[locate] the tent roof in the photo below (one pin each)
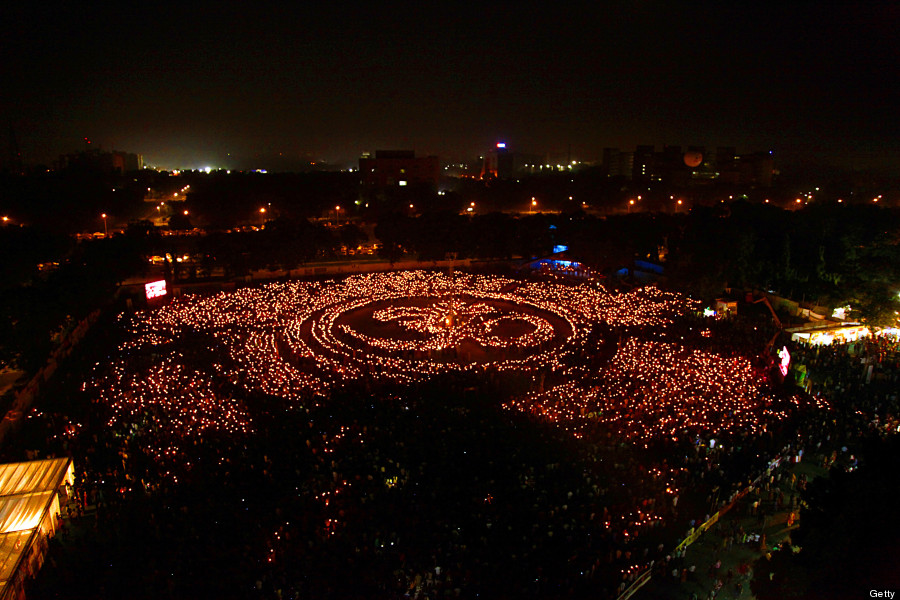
(12, 546)
(33, 476)
(27, 491)
(23, 511)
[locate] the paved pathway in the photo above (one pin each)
(712, 547)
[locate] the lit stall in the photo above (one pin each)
(824, 336)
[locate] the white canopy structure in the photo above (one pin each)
(817, 334)
(29, 514)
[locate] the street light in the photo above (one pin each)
(533, 203)
(105, 230)
(337, 215)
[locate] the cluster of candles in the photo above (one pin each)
(652, 390)
(300, 340)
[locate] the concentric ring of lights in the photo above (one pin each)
(427, 315)
(437, 327)
(300, 340)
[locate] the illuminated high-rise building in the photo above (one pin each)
(502, 163)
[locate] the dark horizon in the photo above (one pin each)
(190, 88)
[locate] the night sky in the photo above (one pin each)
(233, 84)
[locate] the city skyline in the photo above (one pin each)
(188, 88)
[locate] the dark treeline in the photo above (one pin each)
(72, 200)
(49, 282)
(829, 254)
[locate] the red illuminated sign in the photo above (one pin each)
(785, 360)
(155, 289)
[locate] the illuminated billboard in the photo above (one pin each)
(155, 289)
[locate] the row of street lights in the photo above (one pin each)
(337, 212)
(471, 208)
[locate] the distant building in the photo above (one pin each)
(644, 165)
(102, 161)
(617, 163)
(501, 163)
(755, 169)
(691, 167)
(398, 168)
(726, 307)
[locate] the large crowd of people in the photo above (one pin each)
(220, 450)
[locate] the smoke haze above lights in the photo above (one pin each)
(235, 86)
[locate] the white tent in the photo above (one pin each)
(29, 513)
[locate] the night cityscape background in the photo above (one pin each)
(227, 87)
(429, 302)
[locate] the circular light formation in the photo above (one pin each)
(434, 333)
(590, 357)
(411, 325)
